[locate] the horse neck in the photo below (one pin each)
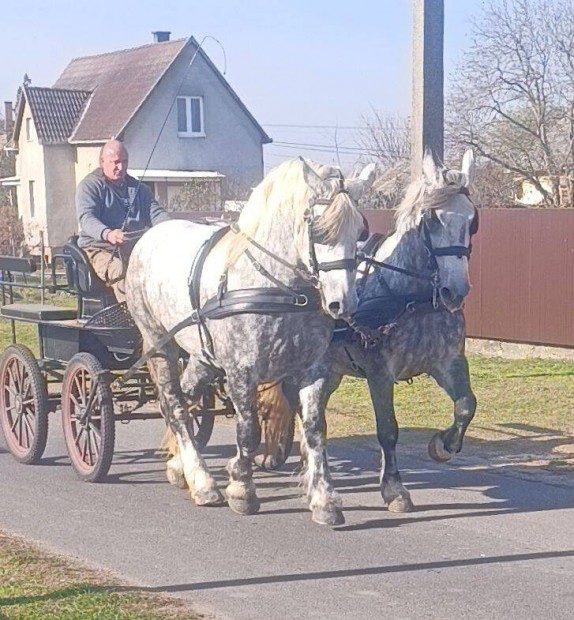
(406, 251)
(278, 240)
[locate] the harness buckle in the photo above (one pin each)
(194, 317)
(301, 300)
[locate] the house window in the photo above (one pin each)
(31, 193)
(190, 117)
(29, 129)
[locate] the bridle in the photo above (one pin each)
(314, 237)
(452, 250)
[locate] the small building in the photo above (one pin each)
(188, 134)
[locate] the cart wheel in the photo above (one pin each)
(24, 405)
(200, 425)
(89, 437)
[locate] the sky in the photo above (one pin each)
(305, 69)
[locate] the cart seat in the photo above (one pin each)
(82, 278)
(37, 312)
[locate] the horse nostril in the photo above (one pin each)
(335, 308)
(445, 292)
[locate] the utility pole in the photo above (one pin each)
(427, 115)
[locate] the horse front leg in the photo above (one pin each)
(324, 502)
(241, 492)
(455, 380)
(187, 467)
(394, 494)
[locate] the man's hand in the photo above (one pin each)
(115, 237)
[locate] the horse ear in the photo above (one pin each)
(357, 186)
(312, 178)
(430, 170)
(468, 167)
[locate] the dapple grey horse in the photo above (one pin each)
(409, 318)
(296, 238)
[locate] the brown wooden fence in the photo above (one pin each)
(522, 271)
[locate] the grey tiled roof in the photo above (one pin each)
(120, 82)
(55, 112)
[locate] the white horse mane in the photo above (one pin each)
(284, 195)
(424, 194)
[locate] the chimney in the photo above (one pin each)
(8, 117)
(159, 36)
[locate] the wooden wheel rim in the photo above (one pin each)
(18, 404)
(85, 431)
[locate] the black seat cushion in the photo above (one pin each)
(82, 278)
(37, 312)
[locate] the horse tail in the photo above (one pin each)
(168, 446)
(276, 417)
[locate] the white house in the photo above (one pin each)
(154, 93)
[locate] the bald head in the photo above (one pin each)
(114, 161)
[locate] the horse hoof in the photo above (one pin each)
(208, 497)
(176, 478)
(437, 451)
(266, 462)
(247, 506)
(401, 504)
(328, 515)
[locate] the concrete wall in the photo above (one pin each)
(87, 158)
(30, 167)
(231, 146)
(60, 193)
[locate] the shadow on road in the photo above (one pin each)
(361, 572)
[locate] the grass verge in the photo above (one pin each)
(38, 585)
(524, 407)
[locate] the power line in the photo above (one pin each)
(312, 126)
(282, 143)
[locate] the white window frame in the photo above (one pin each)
(189, 133)
(29, 129)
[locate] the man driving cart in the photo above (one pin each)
(111, 206)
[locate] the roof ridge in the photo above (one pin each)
(64, 90)
(127, 49)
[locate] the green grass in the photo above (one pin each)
(37, 585)
(533, 393)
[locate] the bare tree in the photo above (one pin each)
(513, 94)
(386, 138)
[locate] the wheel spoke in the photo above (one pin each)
(79, 390)
(11, 390)
(26, 432)
(78, 436)
(20, 428)
(16, 420)
(84, 448)
(89, 441)
(28, 423)
(77, 405)
(12, 379)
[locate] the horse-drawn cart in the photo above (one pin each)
(82, 352)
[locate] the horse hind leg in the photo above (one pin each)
(455, 380)
(394, 494)
(186, 467)
(241, 492)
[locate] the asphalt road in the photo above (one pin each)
(479, 545)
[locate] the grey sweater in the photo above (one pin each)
(102, 206)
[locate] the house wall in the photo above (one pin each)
(60, 193)
(87, 158)
(232, 144)
(30, 167)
